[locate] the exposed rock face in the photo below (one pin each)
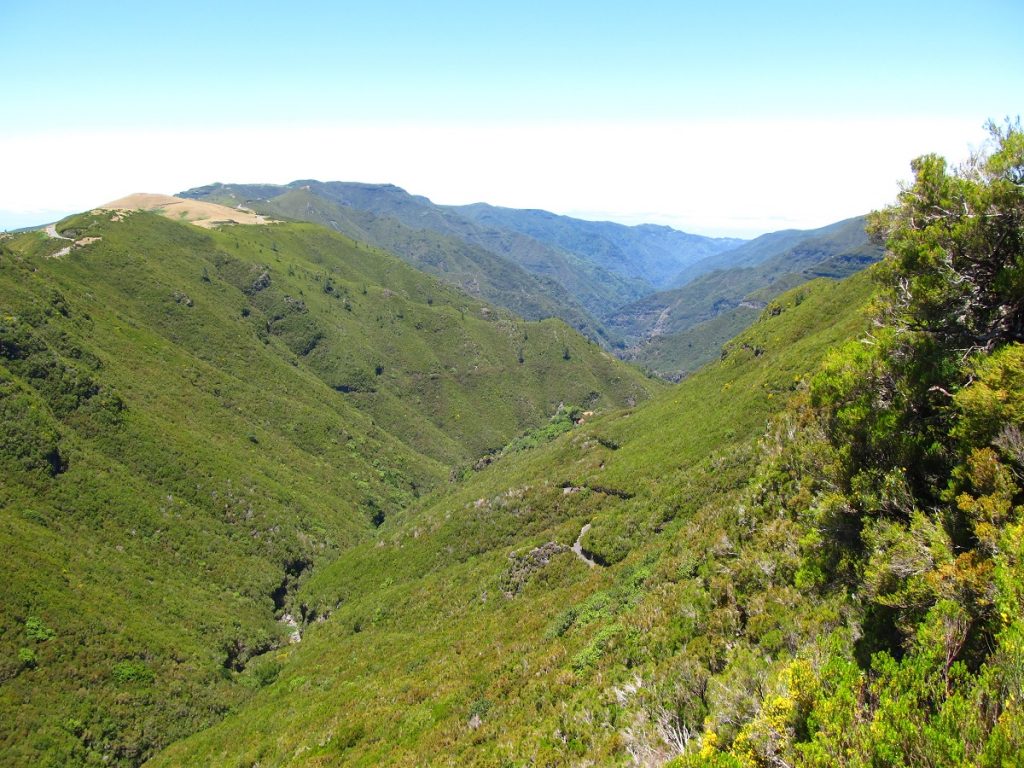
(524, 566)
(296, 634)
(261, 282)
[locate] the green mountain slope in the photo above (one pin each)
(469, 632)
(616, 284)
(438, 251)
(193, 422)
(571, 264)
(245, 520)
(586, 280)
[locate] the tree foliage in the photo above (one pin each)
(956, 245)
(925, 418)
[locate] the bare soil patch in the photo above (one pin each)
(196, 212)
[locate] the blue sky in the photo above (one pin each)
(724, 118)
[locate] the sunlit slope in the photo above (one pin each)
(192, 422)
(466, 265)
(198, 212)
(469, 633)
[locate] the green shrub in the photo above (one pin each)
(264, 672)
(133, 671)
(36, 630)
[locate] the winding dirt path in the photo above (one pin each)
(578, 547)
(51, 232)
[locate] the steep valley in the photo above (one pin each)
(272, 496)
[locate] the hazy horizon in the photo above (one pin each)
(730, 121)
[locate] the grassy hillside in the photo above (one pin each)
(195, 421)
(600, 277)
(468, 632)
(272, 497)
(512, 271)
(529, 261)
(585, 279)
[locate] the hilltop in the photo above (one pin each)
(197, 212)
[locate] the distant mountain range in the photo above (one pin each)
(722, 294)
(650, 253)
(638, 290)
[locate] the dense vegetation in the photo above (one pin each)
(533, 262)
(470, 633)
(839, 587)
(191, 421)
(438, 251)
(505, 268)
(808, 553)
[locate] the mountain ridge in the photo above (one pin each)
(722, 294)
(603, 241)
(597, 283)
(467, 265)
(601, 277)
